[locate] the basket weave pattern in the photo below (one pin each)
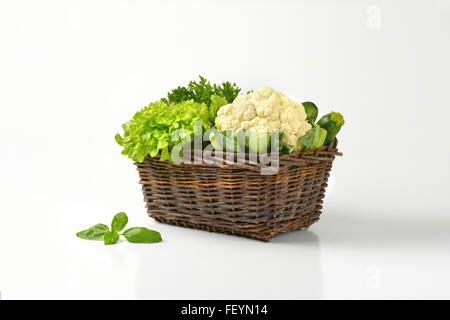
(232, 199)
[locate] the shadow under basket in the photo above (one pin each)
(235, 198)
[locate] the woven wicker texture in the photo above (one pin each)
(236, 198)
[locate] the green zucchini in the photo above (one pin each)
(332, 122)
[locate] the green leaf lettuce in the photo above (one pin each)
(150, 130)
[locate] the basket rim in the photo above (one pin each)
(323, 155)
(320, 155)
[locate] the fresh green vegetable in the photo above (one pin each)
(202, 91)
(142, 235)
(216, 139)
(227, 140)
(119, 222)
(259, 142)
(150, 130)
(314, 138)
(111, 237)
(247, 140)
(267, 141)
(332, 122)
(277, 144)
(216, 103)
(165, 154)
(237, 141)
(311, 111)
(93, 233)
(286, 148)
(134, 235)
(227, 90)
(240, 139)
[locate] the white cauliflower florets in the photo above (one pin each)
(265, 110)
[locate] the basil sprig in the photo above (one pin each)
(135, 235)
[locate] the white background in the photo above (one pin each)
(71, 72)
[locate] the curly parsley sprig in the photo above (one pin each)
(202, 91)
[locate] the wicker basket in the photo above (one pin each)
(235, 198)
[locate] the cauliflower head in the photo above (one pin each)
(265, 110)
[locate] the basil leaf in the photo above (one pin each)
(142, 235)
(111, 238)
(119, 222)
(93, 233)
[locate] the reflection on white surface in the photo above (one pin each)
(241, 268)
(345, 255)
